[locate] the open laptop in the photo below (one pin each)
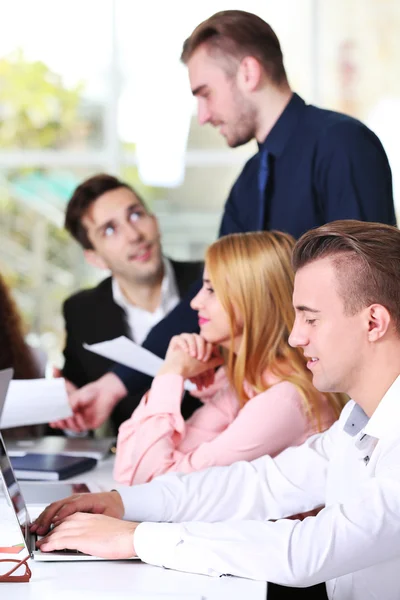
(41, 493)
(5, 378)
(15, 500)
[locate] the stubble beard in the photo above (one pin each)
(151, 277)
(133, 276)
(244, 128)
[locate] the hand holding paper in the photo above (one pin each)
(93, 403)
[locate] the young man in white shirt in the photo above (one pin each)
(232, 520)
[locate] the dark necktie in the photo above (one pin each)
(263, 173)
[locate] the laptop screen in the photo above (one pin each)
(5, 378)
(13, 492)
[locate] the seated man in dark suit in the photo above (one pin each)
(118, 233)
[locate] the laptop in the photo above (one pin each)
(5, 378)
(15, 500)
(41, 493)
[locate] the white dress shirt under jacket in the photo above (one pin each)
(220, 520)
(141, 321)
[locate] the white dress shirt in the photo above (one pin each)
(220, 520)
(141, 321)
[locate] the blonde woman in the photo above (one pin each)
(261, 400)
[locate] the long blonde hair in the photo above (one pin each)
(252, 276)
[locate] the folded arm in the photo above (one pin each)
(293, 482)
(156, 439)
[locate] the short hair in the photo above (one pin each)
(83, 197)
(366, 258)
(236, 34)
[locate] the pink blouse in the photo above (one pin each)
(156, 439)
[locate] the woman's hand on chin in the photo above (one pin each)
(191, 356)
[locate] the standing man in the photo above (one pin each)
(313, 165)
(118, 234)
(233, 520)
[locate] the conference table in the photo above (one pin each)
(123, 580)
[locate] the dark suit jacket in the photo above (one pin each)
(92, 316)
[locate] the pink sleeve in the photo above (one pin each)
(147, 441)
(267, 424)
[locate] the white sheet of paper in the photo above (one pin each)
(34, 401)
(124, 351)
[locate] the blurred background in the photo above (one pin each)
(90, 86)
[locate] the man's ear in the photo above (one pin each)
(379, 321)
(249, 74)
(94, 260)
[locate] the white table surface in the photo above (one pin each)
(126, 579)
(121, 580)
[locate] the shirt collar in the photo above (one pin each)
(356, 421)
(385, 419)
(168, 289)
(281, 132)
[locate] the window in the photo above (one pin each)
(96, 86)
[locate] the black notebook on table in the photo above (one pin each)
(50, 467)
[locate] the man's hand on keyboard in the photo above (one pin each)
(97, 535)
(103, 503)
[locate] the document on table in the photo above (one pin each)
(122, 350)
(34, 401)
